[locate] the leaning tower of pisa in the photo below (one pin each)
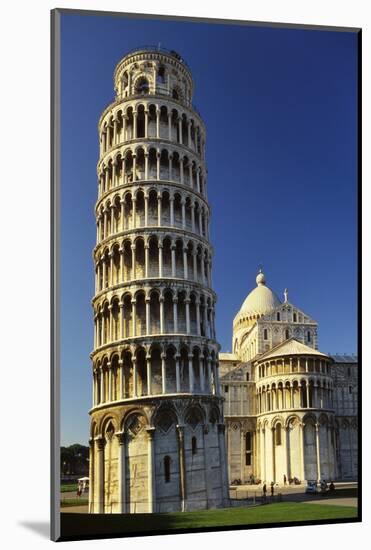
(157, 427)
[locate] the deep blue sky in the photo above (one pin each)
(280, 112)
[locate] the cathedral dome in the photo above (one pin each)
(261, 300)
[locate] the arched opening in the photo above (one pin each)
(140, 314)
(194, 445)
(141, 365)
(142, 86)
(153, 268)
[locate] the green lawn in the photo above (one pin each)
(74, 502)
(67, 487)
(95, 524)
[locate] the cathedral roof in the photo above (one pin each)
(290, 347)
(261, 300)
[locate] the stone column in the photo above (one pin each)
(162, 323)
(217, 380)
(148, 316)
(121, 470)
(163, 372)
(135, 115)
(180, 131)
(132, 261)
(182, 468)
(177, 372)
(209, 384)
(134, 213)
(135, 391)
(134, 168)
(185, 263)
(121, 304)
(124, 119)
(175, 314)
(91, 476)
(181, 171)
(198, 330)
(191, 376)
(109, 381)
(102, 388)
(318, 453)
(302, 448)
(182, 202)
(160, 259)
(146, 155)
(157, 123)
(113, 178)
(158, 173)
(159, 204)
(149, 374)
(134, 316)
(188, 324)
(202, 268)
(110, 324)
(146, 124)
(120, 374)
(101, 442)
(204, 314)
(146, 260)
(171, 211)
(198, 180)
(173, 261)
(202, 373)
(169, 125)
(194, 255)
(151, 472)
(193, 217)
(170, 167)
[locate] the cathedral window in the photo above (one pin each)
(278, 316)
(226, 389)
(265, 334)
(350, 389)
(247, 376)
(194, 445)
(308, 336)
(287, 334)
(295, 318)
(248, 448)
(175, 94)
(167, 468)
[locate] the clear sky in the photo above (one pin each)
(280, 112)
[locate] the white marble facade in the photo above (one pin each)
(290, 410)
(157, 439)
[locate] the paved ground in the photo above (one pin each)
(295, 493)
(247, 491)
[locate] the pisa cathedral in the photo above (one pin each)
(159, 439)
(290, 410)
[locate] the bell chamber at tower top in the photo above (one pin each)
(153, 71)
